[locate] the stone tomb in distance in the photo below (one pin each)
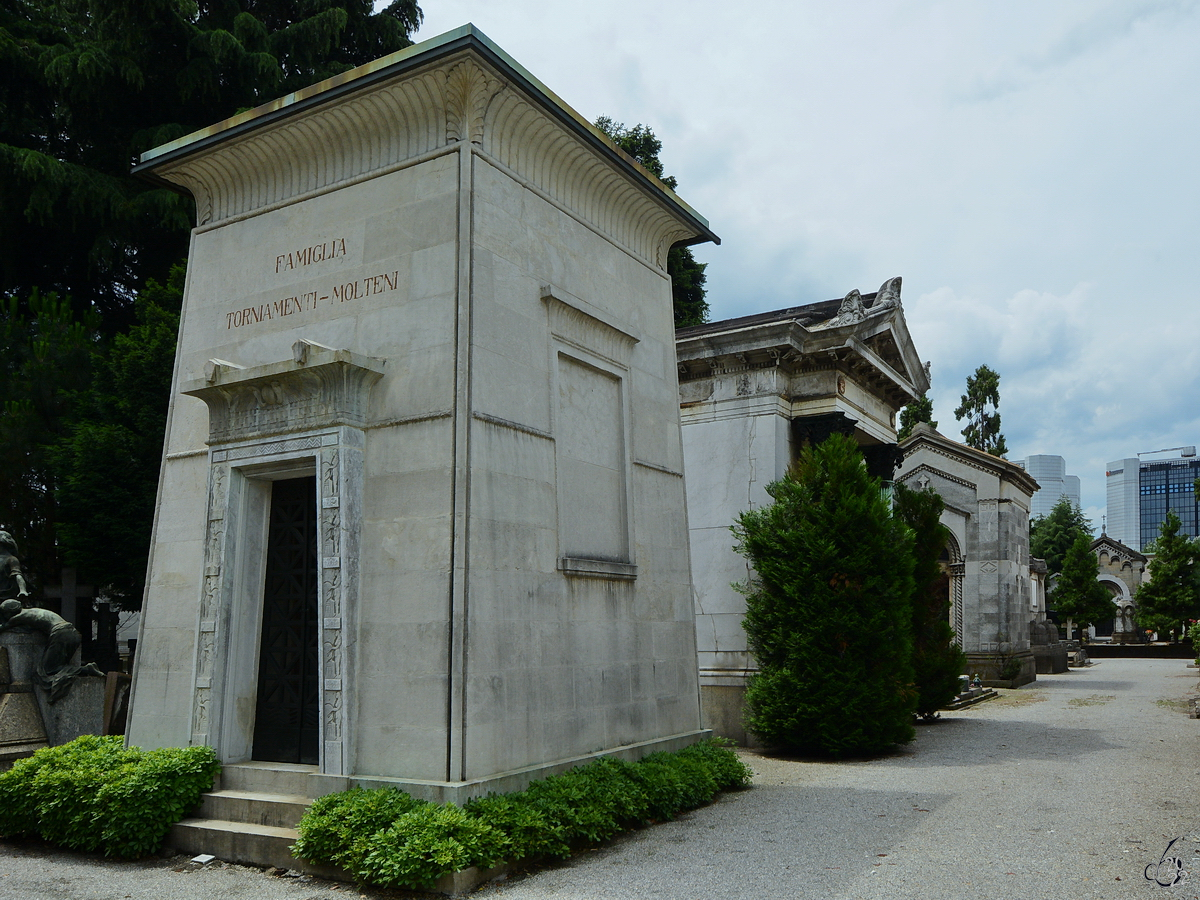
(421, 518)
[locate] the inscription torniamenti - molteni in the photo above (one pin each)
(310, 300)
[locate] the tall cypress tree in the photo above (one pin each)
(828, 613)
(937, 660)
(1173, 592)
(1078, 596)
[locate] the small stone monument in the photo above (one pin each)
(21, 728)
(422, 512)
(42, 650)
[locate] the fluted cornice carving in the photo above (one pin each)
(390, 123)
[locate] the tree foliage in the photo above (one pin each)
(920, 410)
(937, 659)
(90, 84)
(110, 457)
(687, 275)
(1078, 595)
(45, 360)
(828, 613)
(1173, 592)
(980, 408)
(86, 87)
(1051, 536)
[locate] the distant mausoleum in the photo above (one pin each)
(1122, 571)
(753, 392)
(991, 585)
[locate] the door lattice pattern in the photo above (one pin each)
(287, 717)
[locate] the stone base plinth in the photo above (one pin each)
(990, 667)
(1051, 659)
(81, 711)
(722, 706)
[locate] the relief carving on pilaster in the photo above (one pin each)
(333, 656)
(332, 584)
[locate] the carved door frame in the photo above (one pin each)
(306, 416)
(228, 630)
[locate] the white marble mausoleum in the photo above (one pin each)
(421, 515)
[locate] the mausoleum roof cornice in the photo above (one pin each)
(924, 435)
(876, 347)
(468, 41)
(1114, 545)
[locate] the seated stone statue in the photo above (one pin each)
(54, 672)
(12, 581)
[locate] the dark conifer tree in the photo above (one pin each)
(1078, 596)
(112, 446)
(828, 613)
(937, 659)
(87, 85)
(1173, 593)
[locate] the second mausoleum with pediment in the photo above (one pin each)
(753, 391)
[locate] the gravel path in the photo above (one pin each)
(1066, 788)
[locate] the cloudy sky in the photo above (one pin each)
(1030, 169)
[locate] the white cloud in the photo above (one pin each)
(1027, 167)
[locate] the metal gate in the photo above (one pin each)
(287, 716)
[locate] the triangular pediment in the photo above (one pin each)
(884, 345)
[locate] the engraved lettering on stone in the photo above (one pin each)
(366, 287)
(307, 256)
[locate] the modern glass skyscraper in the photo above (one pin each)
(1050, 472)
(1140, 491)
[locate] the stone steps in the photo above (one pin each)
(250, 817)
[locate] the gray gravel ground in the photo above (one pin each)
(1066, 788)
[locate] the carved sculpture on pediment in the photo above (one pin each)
(888, 296)
(850, 312)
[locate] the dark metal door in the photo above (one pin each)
(287, 717)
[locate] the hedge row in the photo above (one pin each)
(95, 794)
(386, 837)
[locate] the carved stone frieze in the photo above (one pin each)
(331, 388)
(386, 123)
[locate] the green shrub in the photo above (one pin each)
(725, 766)
(426, 843)
(530, 832)
(335, 828)
(386, 837)
(94, 794)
